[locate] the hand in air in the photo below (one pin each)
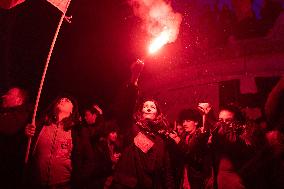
(136, 69)
(173, 135)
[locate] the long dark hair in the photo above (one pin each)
(51, 113)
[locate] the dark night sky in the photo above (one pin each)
(92, 55)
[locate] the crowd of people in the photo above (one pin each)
(139, 148)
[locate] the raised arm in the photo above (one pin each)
(127, 97)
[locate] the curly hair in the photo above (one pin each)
(159, 123)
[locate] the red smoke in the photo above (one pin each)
(159, 20)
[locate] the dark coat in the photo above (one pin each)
(12, 145)
(195, 157)
(230, 154)
(92, 164)
(136, 169)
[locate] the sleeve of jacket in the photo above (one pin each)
(125, 106)
(14, 121)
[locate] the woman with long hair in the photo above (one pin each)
(144, 162)
(52, 145)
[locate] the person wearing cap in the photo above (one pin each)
(191, 150)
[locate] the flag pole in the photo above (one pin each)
(43, 78)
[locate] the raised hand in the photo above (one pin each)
(136, 69)
(173, 135)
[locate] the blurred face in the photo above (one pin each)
(12, 98)
(189, 126)
(149, 110)
(112, 136)
(226, 116)
(180, 129)
(90, 118)
(65, 105)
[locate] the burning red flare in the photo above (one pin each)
(160, 21)
(159, 41)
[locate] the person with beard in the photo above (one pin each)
(14, 115)
(53, 140)
(144, 162)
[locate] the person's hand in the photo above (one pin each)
(136, 69)
(30, 130)
(173, 135)
(204, 107)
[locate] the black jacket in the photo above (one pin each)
(136, 169)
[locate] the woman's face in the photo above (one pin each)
(65, 105)
(149, 110)
(226, 117)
